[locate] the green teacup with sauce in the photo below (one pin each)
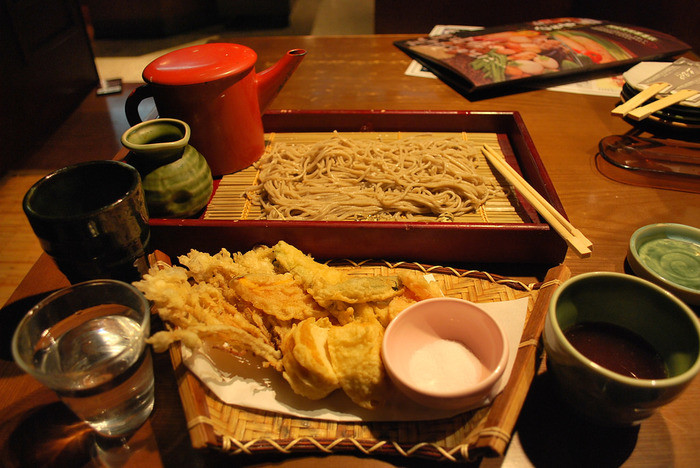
(619, 347)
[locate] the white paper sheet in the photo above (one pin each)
(247, 384)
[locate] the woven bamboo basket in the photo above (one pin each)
(482, 432)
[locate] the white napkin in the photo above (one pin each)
(246, 383)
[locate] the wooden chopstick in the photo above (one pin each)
(641, 113)
(566, 230)
(639, 99)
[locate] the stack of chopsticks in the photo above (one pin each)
(559, 223)
(631, 108)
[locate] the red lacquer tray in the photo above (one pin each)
(530, 240)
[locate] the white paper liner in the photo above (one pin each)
(246, 383)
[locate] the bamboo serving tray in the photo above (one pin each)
(482, 432)
(229, 202)
(506, 230)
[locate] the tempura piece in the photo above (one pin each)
(358, 289)
(355, 353)
(415, 288)
(307, 367)
(277, 295)
(163, 339)
(202, 310)
(230, 339)
(418, 285)
(387, 310)
(328, 285)
(184, 304)
(304, 268)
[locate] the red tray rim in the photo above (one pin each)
(515, 141)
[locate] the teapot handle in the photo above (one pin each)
(133, 101)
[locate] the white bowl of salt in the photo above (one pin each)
(445, 353)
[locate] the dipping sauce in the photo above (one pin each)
(445, 365)
(617, 349)
(676, 260)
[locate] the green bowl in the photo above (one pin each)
(669, 255)
(638, 306)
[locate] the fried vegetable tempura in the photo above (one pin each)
(354, 351)
(307, 365)
(321, 327)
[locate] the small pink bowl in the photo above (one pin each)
(424, 353)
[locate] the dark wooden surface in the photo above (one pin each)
(46, 69)
(368, 73)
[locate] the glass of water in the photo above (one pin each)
(87, 342)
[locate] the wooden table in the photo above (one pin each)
(367, 72)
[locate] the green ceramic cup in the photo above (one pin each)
(638, 306)
(176, 178)
(667, 254)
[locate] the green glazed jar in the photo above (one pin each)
(176, 178)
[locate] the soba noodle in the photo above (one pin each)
(348, 179)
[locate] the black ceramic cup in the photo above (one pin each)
(91, 218)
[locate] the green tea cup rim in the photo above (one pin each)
(681, 379)
(161, 121)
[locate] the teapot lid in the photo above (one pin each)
(200, 64)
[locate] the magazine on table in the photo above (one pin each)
(536, 52)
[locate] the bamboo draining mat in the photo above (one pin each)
(228, 202)
(485, 431)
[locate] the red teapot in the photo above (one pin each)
(215, 89)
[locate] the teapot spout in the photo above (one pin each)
(271, 81)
